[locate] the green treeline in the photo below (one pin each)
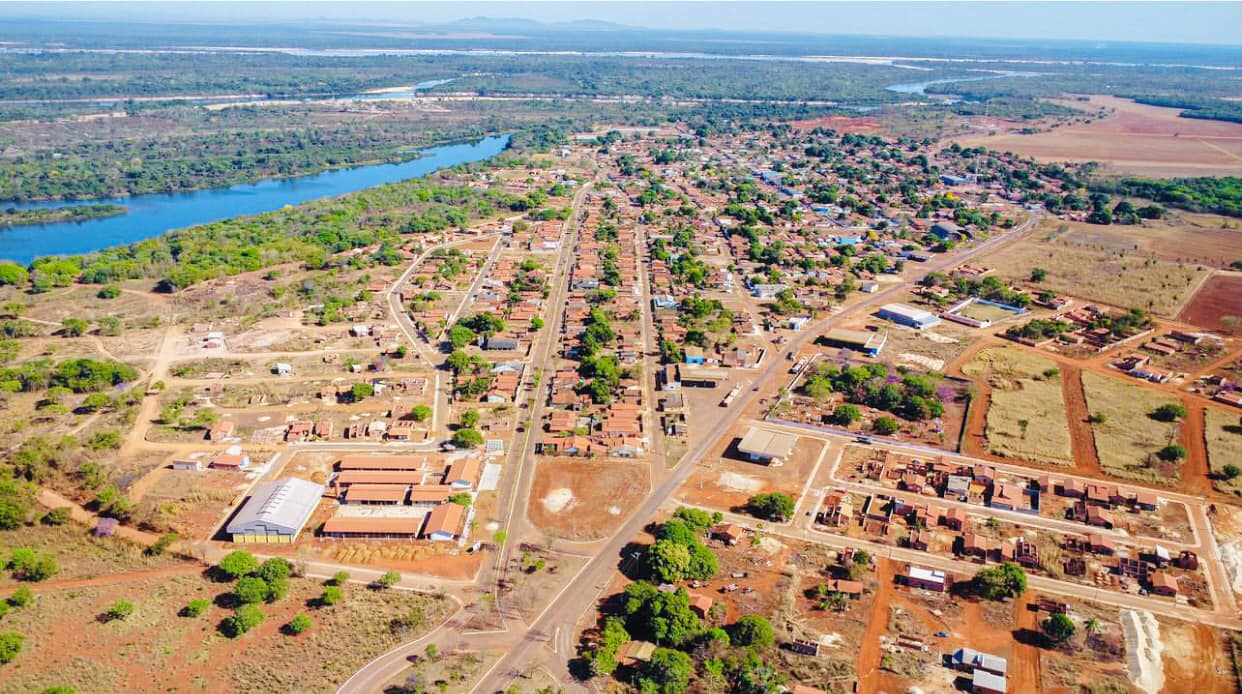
(13, 217)
(1215, 195)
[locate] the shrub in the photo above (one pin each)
(57, 516)
(251, 590)
(10, 646)
(29, 565)
(1168, 412)
(1171, 453)
(389, 579)
(1058, 627)
(21, 597)
(339, 578)
(299, 624)
(119, 610)
(244, 619)
(885, 426)
(196, 608)
(1007, 580)
(332, 595)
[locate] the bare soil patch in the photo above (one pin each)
(1135, 139)
(1218, 305)
(585, 500)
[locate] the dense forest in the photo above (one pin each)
(1215, 195)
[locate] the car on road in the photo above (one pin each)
(863, 439)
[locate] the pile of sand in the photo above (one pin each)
(930, 362)
(1143, 650)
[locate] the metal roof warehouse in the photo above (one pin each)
(276, 512)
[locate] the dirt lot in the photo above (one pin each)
(1128, 439)
(1117, 276)
(1136, 139)
(1195, 659)
(1223, 433)
(156, 649)
(585, 500)
(1019, 392)
(1217, 306)
(79, 554)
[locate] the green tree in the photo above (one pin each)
(340, 578)
(1230, 471)
(752, 630)
(251, 590)
(459, 336)
(238, 563)
(361, 391)
(196, 607)
(299, 624)
(461, 499)
(274, 569)
(845, 415)
(997, 583)
(421, 413)
(774, 506)
(467, 437)
(470, 418)
(668, 672)
(1039, 274)
(1171, 453)
(1168, 412)
(389, 579)
(10, 646)
(13, 274)
(244, 619)
(885, 426)
(1058, 627)
(668, 561)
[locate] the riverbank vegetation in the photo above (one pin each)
(13, 217)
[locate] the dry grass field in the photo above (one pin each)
(155, 648)
(1022, 393)
(1223, 432)
(1109, 269)
(1128, 439)
(1134, 139)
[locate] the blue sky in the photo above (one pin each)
(1163, 22)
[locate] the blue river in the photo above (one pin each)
(157, 213)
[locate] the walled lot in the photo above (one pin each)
(1020, 392)
(155, 648)
(1223, 432)
(586, 499)
(1128, 439)
(1218, 306)
(1137, 139)
(1118, 277)
(727, 482)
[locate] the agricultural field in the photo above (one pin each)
(1129, 438)
(1217, 306)
(1026, 418)
(1117, 274)
(1223, 433)
(157, 647)
(1134, 138)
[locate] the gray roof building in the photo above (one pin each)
(276, 511)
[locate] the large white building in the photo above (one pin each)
(276, 512)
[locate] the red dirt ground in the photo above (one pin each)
(845, 124)
(604, 495)
(1082, 441)
(1220, 296)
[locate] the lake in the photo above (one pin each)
(155, 214)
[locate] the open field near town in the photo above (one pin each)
(1112, 274)
(79, 554)
(1026, 418)
(1135, 139)
(1223, 433)
(1128, 439)
(585, 500)
(1218, 306)
(157, 649)
(1180, 237)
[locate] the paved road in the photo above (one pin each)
(584, 589)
